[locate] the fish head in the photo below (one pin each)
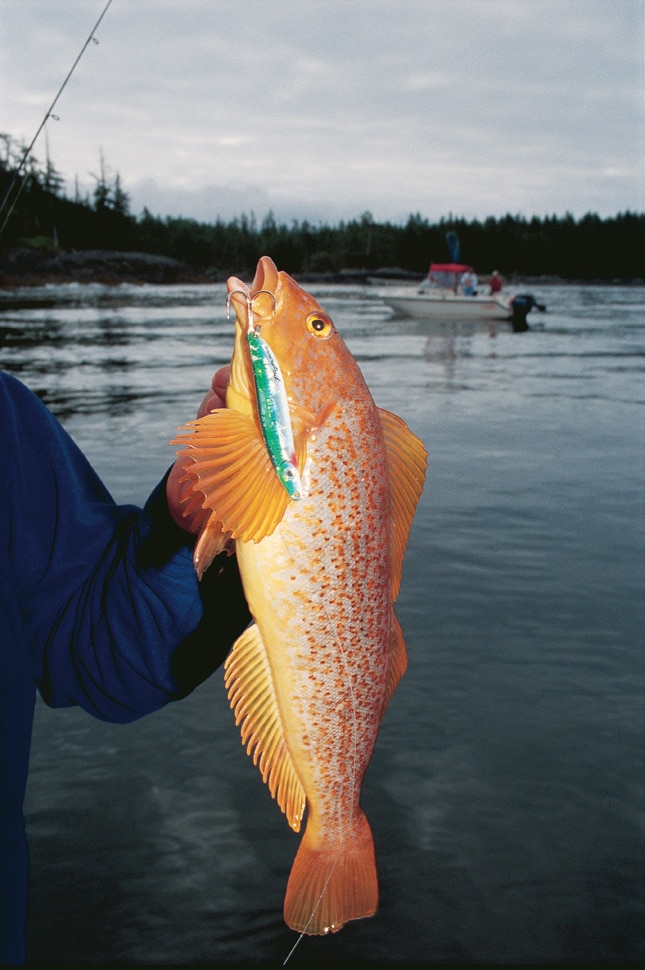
(317, 368)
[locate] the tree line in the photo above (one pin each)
(44, 215)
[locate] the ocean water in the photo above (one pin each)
(506, 788)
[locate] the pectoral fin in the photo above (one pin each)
(232, 470)
(406, 462)
(252, 697)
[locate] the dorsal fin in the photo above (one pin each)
(406, 463)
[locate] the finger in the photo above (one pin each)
(221, 378)
(216, 397)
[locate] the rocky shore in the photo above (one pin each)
(36, 267)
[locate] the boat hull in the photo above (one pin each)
(450, 307)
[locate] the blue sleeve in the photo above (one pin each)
(114, 616)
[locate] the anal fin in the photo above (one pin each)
(252, 697)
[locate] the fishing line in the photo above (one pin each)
(90, 39)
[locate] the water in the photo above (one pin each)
(505, 793)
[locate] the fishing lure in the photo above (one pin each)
(273, 407)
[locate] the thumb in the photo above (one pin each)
(216, 396)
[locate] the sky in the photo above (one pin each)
(327, 109)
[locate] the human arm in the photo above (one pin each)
(112, 611)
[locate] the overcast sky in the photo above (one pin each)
(323, 109)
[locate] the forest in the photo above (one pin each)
(37, 214)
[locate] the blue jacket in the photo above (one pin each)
(99, 607)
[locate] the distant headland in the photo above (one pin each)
(45, 236)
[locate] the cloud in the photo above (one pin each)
(207, 203)
(331, 107)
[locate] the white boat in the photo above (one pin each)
(444, 299)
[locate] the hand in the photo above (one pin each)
(176, 489)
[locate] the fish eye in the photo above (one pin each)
(319, 325)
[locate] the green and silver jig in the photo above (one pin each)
(273, 407)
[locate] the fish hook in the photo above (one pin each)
(249, 305)
(269, 293)
(244, 293)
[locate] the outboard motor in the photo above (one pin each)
(522, 304)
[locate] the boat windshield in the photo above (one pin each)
(447, 275)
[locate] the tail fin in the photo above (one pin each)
(330, 886)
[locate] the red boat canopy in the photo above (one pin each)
(449, 268)
(448, 275)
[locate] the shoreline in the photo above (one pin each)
(33, 268)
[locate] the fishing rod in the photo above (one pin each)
(48, 114)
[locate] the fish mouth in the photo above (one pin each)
(260, 299)
(238, 393)
(253, 306)
(266, 279)
(256, 382)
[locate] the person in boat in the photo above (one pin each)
(495, 283)
(100, 606)
(469, 283)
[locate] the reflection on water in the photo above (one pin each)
(506, 786)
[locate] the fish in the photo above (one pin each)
(310, 679)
